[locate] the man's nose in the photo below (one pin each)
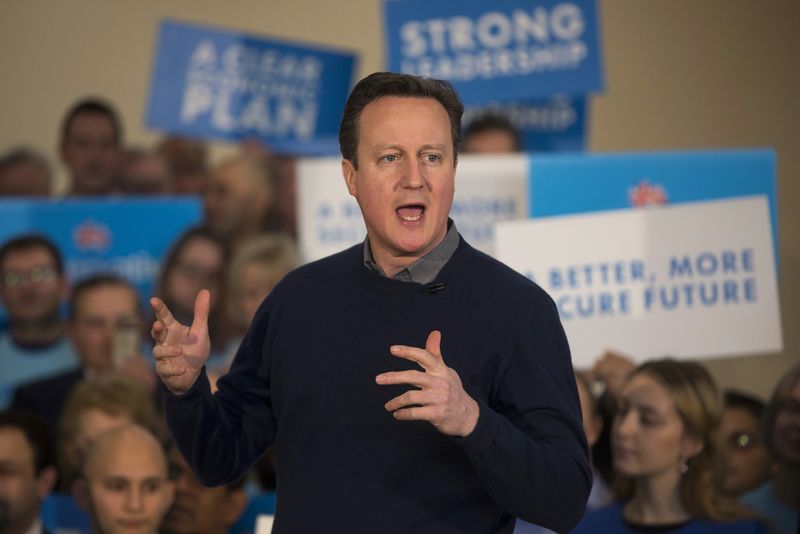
(134, 501)
(413, 174)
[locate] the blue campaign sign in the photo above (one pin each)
(127, 237)
(489, 50)
(221, 84)
(556, 124)
(569, 184)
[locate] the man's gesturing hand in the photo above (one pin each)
(181, 351)
(440, 399)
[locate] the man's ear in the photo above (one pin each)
(349, 172)
(46, 481)
(234, 506)
(80, 492)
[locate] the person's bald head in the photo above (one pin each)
(125, 483)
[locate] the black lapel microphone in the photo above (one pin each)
(432, 287)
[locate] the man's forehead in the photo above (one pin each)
(129, 478)
(104, 300)
(125, 457)
(36, 253)
(14, 444)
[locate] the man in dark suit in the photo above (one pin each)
(100, 307)
(27, 461)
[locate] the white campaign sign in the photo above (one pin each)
(488, 189)
(689, 280)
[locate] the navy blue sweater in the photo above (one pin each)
(304, 380)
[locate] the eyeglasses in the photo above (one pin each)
(37, 275)
(743, 440)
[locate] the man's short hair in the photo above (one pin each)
(30, 241)
(37, 432)
(97, 281)
(92, 106)
(493, 122)
(744, 401)
(22, 155)
(380, 84)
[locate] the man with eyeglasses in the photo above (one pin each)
(32, 286)
(747, 463)
(104, 313)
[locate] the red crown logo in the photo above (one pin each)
(644, 194)
(91, 236)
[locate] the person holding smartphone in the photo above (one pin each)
(105, 328)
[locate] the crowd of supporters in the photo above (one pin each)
(82, 434)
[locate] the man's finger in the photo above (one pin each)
(202, 307)
(414, 378)
(169, 368)
(433, 344)
(410, 398)
(416, 355)
(162, 312)
(158, 332)
(166, 352)
(417, 413)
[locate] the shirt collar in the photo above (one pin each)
(426, 268)
(36, 527)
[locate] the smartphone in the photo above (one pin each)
(127, 340)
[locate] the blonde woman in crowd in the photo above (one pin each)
(257, 265)
(93, 407)
(665, 454)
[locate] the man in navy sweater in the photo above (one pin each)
(409, 383)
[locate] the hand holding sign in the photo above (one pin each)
(181, 351)
(440, 399)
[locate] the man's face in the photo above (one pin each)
(147, 175)
(25, 179)
(199, 509)
(91, 151)
(490, 142)
(21, 490)
(747, 461)
(31, 288)
(786, 431)
(405, 178)
(127, 486)
(98, 313)
(198, 266)
(231, 199)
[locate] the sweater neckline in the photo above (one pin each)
(448, 273)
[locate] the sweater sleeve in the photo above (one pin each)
(528, 446)
(222, 435)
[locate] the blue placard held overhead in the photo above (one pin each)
(221, 84)
(127, 237)
(489, 50)
(570, 184)
(556, 124)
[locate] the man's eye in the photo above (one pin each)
(432, 158)
(390, 158)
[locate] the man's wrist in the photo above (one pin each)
(474, 412)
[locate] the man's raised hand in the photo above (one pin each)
(440, 399)
(181, 351)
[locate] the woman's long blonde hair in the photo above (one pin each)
(699, 405)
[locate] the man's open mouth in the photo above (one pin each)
(411, 212)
